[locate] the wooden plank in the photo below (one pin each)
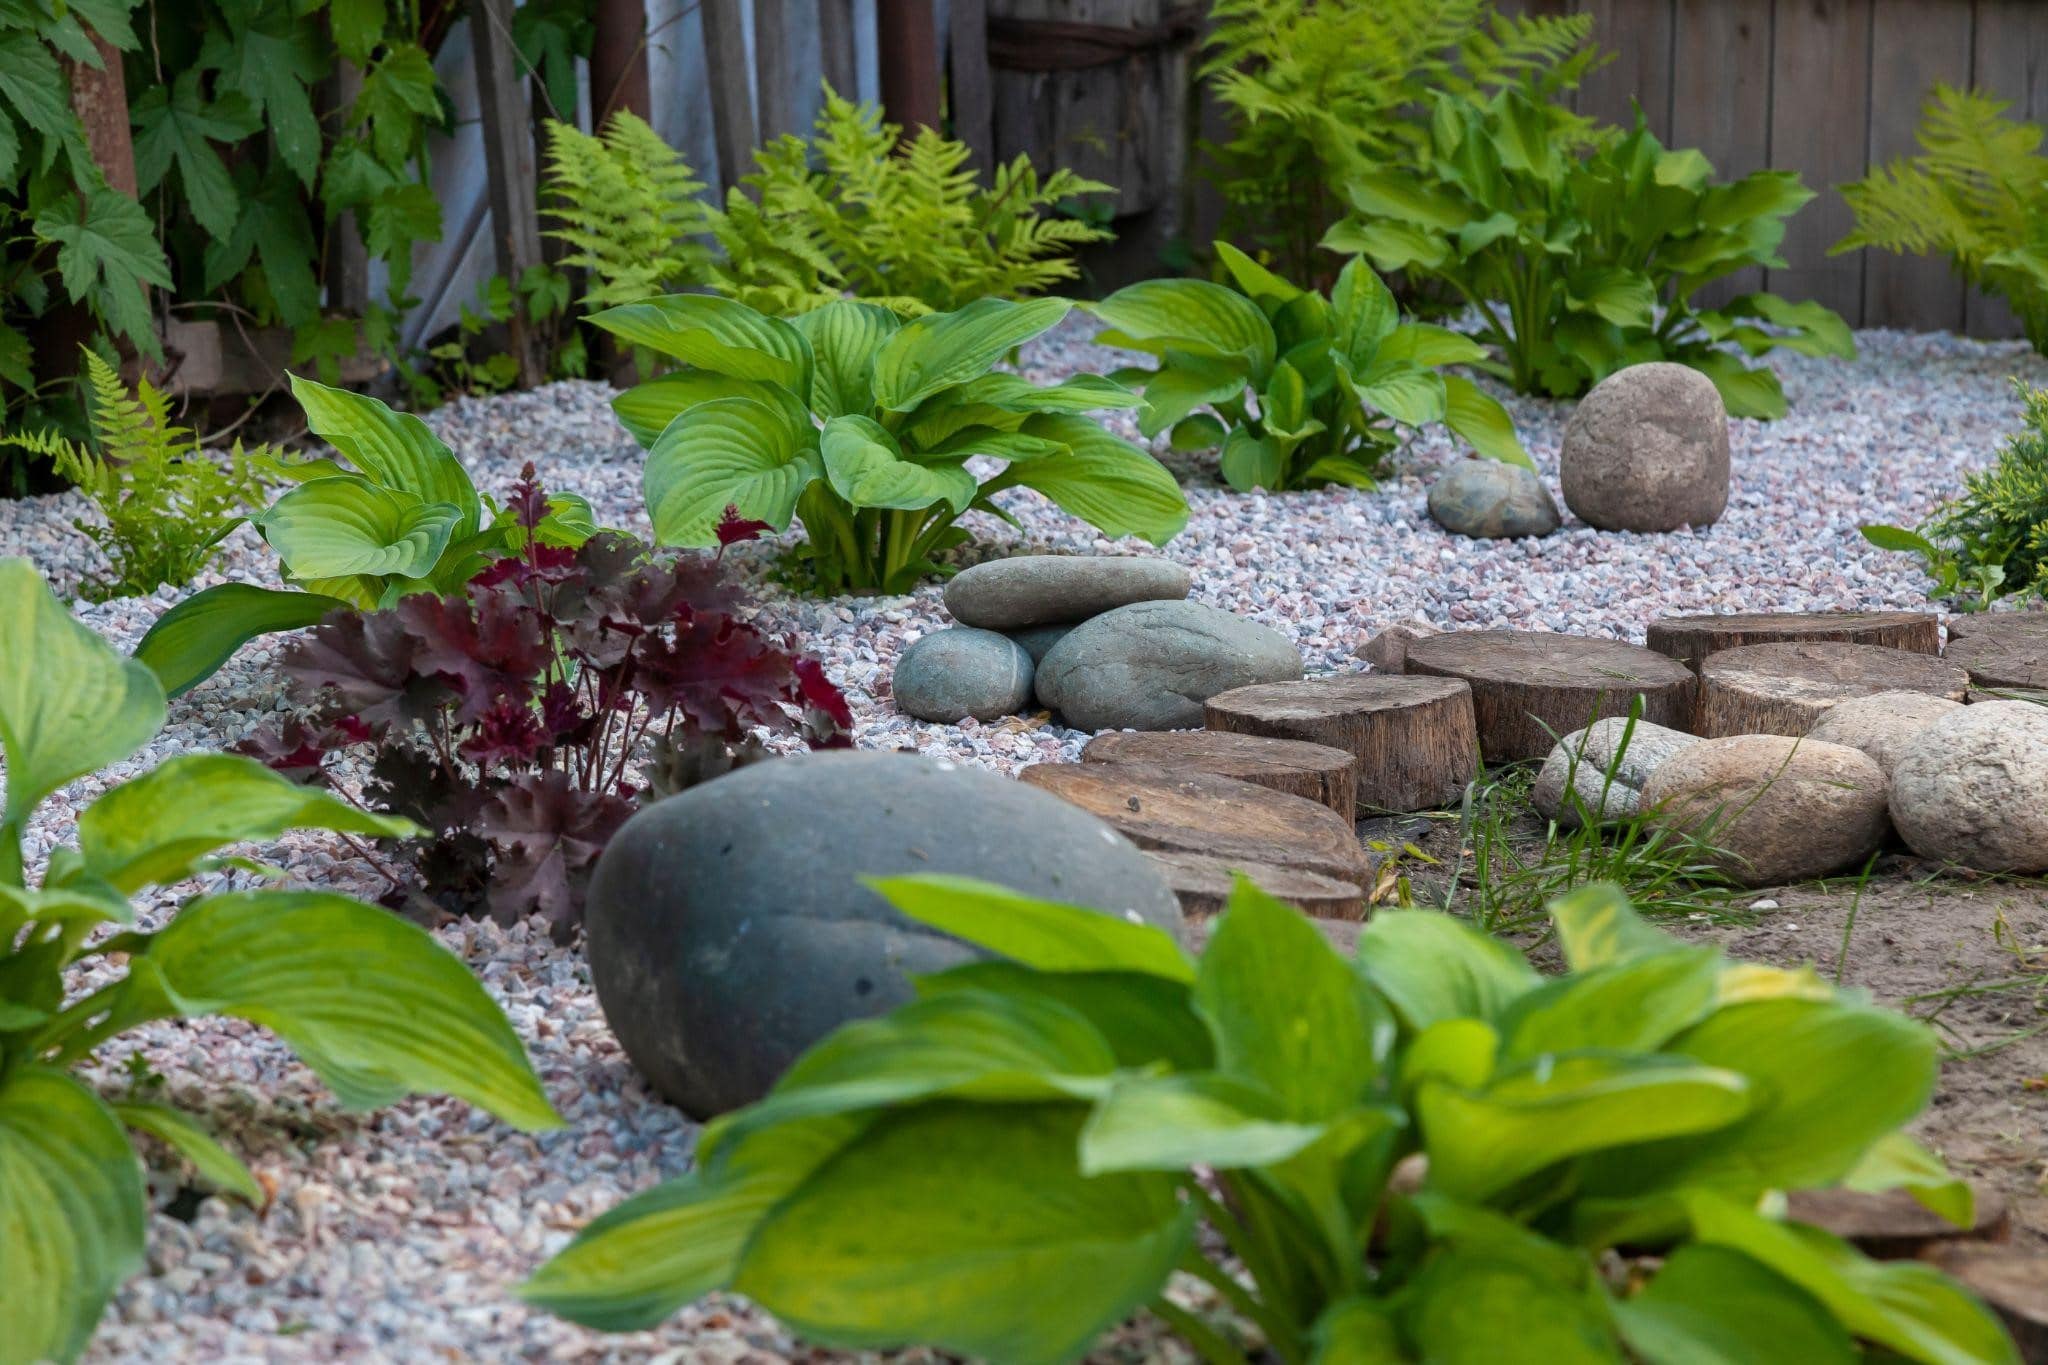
(836, 46)
(732, 95)
(1639, 34)
(1913, 43)
(1820, 107)
(909, 62)
(508, 165)
(2011, 61)
(1721, 100)
(969, 97)
(780, 84)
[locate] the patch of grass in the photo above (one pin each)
(2027, 985)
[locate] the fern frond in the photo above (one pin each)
(629, 208)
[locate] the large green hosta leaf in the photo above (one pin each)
(193, 639)
(940, 350)
(1431, 967)
(845, 338)
(395, 449)
(646, 409)
(69, 703)
(733, 452)
(344, 527)
(1483, 422)
(1102, 479)
(1044, 935)
(1709, 1305)
(867, 468)
(71, 1214)
(1191, 316)
(715, 334)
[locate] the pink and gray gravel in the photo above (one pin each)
(399, 1235)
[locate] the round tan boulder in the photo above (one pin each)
(1972, 788)
(1882, 723)
(1647, 450)
(1778, 809)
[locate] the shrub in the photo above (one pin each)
(405, 519)
(1433, 1153)
(1304, 390)
(861, 426)
(1581, 252)
(1991, 542)
(165, 504)
(509, 720)
(1977, 193)
(371, 1003)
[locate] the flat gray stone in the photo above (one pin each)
(1489, 500)
(952, 674)
(1647, 450)
(1037, 590)
(729, 929)
(1594, 748)
(1151, 665)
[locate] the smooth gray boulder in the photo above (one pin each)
(1594, 748)
(1039, 640)
(1972, 788)
(1037, 590)
(1881, 724)
(1647, 450)
(952, 674)
(1489, 500)
(729, 929)
(1151, 665)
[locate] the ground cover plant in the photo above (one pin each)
(513, 722)
(860, 426)
(1580, 251)
(164, 503)
(1977, 193)
(1992, 541)
(1430, 1153)
(401, 517)
(1300, 390)
(372, 1004)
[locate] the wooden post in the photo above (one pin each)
(968, 95)
(907, 35)
(508, 166)
(618, 61)
(836, 47)
(775, 70)
(348, 260)
(732, 99)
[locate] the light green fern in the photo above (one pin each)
(165, 504)
(1977, 193)
(630, 209)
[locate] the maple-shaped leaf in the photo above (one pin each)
(107, 252)
(733, 528)
(546, 834)
(413, 782)
(274, 59)
(489, 647)
(510, 733)
(274, 232)
(399, 94)
(361, 664)
(298, 749)
(356, 27)
(175, 125)
(820, 693)
(722, 676)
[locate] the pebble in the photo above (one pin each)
(1489, 500)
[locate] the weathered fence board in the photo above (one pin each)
(1912, 42)
(1721, 98)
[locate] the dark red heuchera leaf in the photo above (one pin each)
(734, 528)
(546, 834)
(540, 564)
(529, 500)
(510, 734)
(819, 693)
(491, 647)
(299, 748)
(362, 664)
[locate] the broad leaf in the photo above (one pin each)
(1192, 316)
(1365, 311)
(647, 408)
(1254, 279)
(1172, 1123)
(1043, 935)
(1478, 417)
(1104, 480)
(845, 338)
(1148, 1021)
(867, 468)
(1403, 198)
(395, 449)
(1709, 1305)
(1188, 381)
(190, 642)
(1199, 432)
(1598, 927)
(1249, 461)
(729, 452)
(180, 1132)
(1746, 392)
(1407, 393)
(344, 527)
(1623, 297)
(940, 350)
(1636, 1006)
(1422, 343)
(1896, 1162)
(1432, 967)
(715, 334)
(1471, 1304)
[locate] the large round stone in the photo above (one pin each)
(952, 674)
(1036, 590)
(1489, 500)
(1647, 450)
(1881, 724)
(1151, 665)
(729, 930)
(1777, 809)
(1972, 788)
(1606, 765)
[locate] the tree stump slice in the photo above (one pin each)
(1785, 689)
(2007, 661)
(2021, 625)
(1316, 771)
(1415, 739)
(1893, 1225)
(1530, 688)
(1689, 639)
(1164, 809)
(2013, 1283)
(1204, 883)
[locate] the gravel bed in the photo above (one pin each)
(396, 1236)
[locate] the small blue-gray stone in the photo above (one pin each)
(1151, 665)
(959, 672)
(1039, 640)
(1491, 500)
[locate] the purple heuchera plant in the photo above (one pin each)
(512, 721)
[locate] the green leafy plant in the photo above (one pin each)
(370, 1002)
(1580, 252)
(401, 518)
(1301, 390)
(1977, 193)
(861, 426)
(164, 503)
(629, 209)
(1991, 542)
(1433, 1153)
(1318, 92)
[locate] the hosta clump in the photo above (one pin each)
(1431, 1153)
(372, 1004)
(861, 425)
(1580, 252)
(1304, 390)
(511, 721)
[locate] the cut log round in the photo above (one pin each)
(1315, 771)
(1188, 812)
(2006, 661)
(1891, 1224)
(1531, 687)
(1690, 639)
(1785, 689)
(1204, 884)
(2025, 625)
(2013, 1283)
(1415, 738)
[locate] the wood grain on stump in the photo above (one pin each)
(2013, 1283)
(1785, 689)
(1204, 883)
(1892, 1224)
(1414, 738)
(2029, 624)
(1315, 771)
(1690, 639)
(1190, 812)
(2002, 660)
(1531, 687)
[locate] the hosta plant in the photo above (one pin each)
(401, 517)
(860, 426)
(1432, 1153)
(1580, 253)
(513, 722)
(1299, 389)
(372, 1004)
